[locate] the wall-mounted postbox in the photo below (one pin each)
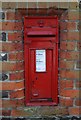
(41, 60)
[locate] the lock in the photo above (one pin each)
(36, 78)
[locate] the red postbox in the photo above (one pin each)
(41, 60)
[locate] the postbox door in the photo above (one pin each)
(41, 74)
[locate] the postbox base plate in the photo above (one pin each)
(41, 104)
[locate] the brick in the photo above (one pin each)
(70, 93)
(72, 74)
(79, 26)
(7, 66)
(1, 25)
(79, 36)
(42, 11)
(6, 112)
(10, 15)
(12, 85)
(66, 102)
(23, 12)
(63, 25)
(32, 11)
(64, 16)
(62, 73)
(67, 45)
(17, 94)
(70, 45)
(75, 111)
(73, 36)
(69, 74)
(78, 45)
(64, 84)
(78, 102)
(73, 55)
(12, 103)
(66, 64)
(73, 15)
(16, 76)
(69, 36)
(20, 102)
(71, 25)
(1, 67)
(16, 36)
(78, 64)
(62, 54)
(63, 35)
(78, 84)
(13, 15)
(53, 11)
(8, 5)
(8, 47)
(16, 56)
(63, 45)
(11, 26)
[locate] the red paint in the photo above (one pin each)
(41, 33)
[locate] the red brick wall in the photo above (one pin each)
(13, 66)
(11, 33)
(69, 63)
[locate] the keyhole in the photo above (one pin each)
(36, 78)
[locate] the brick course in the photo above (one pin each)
(15, 36)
